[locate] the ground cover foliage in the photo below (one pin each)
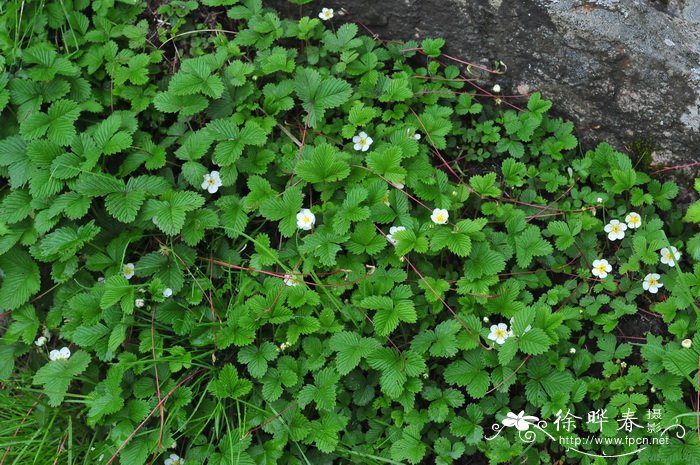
(229, 237)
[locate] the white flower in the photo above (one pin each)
(416, 136)
(615, 230)
(100, 279)
(393, 230)
(291, 280)
(362, 142)
(633, 220)
(139, 303)
(669, 256)
(499, 333)
(63, 354)
(167, 292)
(439, 216)
(687, 343)
(128, 270)
(326, 14)
(40, 341)
(174, 459)
(283, 346)
(599, 200)
(305, 219)
(651, 283)
(496, 88)
(485, 319)
(601, 268)
(572, 350)
(212, 182)
(521, 421)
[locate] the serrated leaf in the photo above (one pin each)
(323, 163)
(57, 375)
(318, 95)
(21, 279)
(57, 123)
(350, 348)
(534, 342)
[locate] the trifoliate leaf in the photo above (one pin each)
(318, 95)
(323, 163)
(57, 123)
(351, 348)
(57, 375)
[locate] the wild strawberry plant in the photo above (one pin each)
(232, 237)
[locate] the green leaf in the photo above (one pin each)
(169, 214)
(21, 279)
(469, 374)
(195, 77)
(256, 358)
(396, 90)
(395, 369)
(485, 185)
(351, 348)
(409, 447)
(323, 163)
(564, 232)
(389, 313)
(530, 244)
(196, 225)
(681, 362)
(537, 105)
(284, 209)
(232, 140)
(432, 47)
(458, 242)
(95, 185)
(186, 105)
(56, 124)
(386, 162)
(322, 392)
(318, 95)
(408, 241)
(534, 342)
(87, 336)
(107, 396)
(57, 375)
(16, 206)
(323, 245)
(25, 325)
(228, 384)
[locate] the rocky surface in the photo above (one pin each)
(624, 71)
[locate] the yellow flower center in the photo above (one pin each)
(652, 282)
(615, 228)
(634, 219)
(669, 256)
(601, 269)
(500, 333)
(211, 181)
(440, 217)
(363, 141)
(306, 219)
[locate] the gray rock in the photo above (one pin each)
(622, 70)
